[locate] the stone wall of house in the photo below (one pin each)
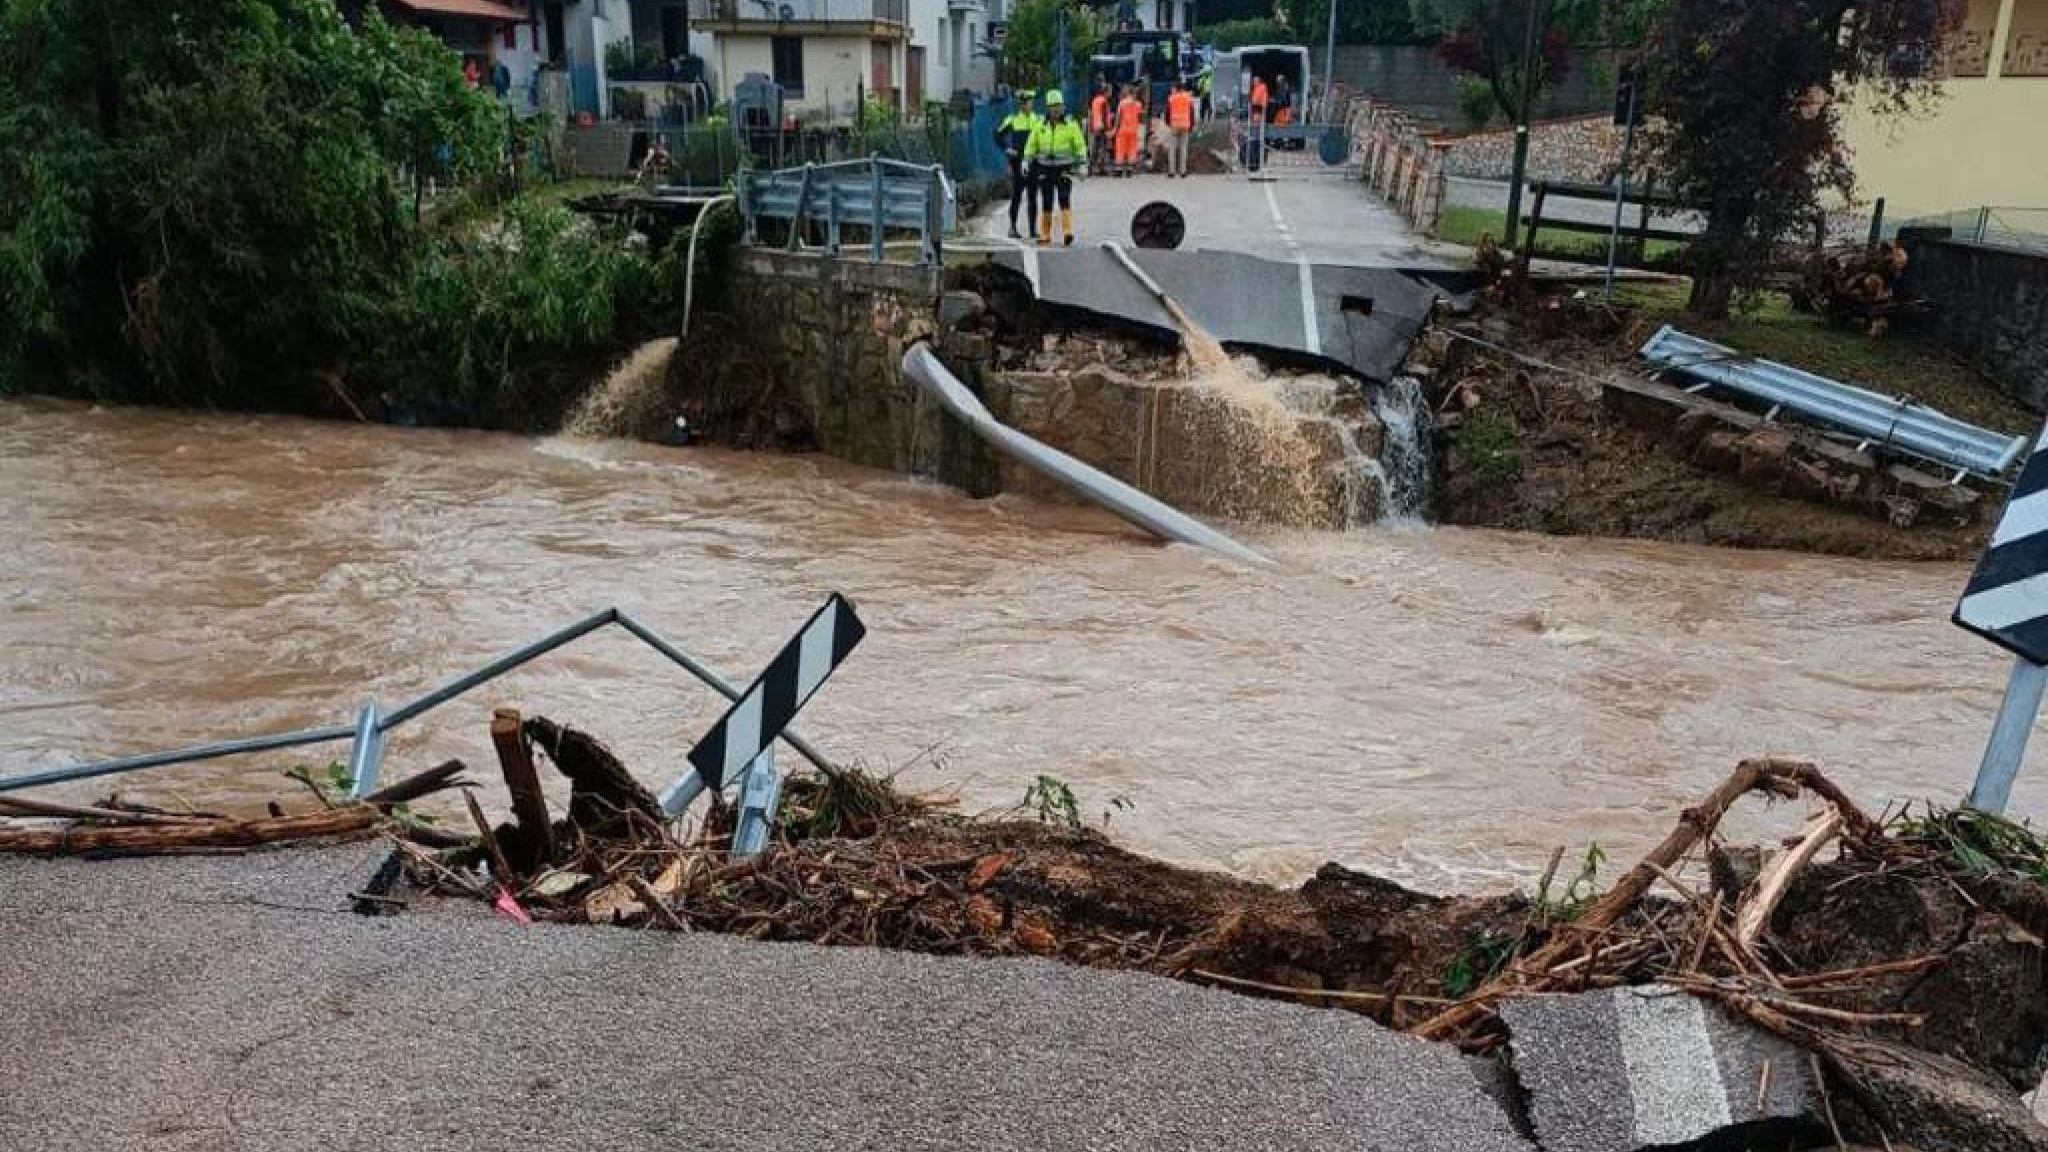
(1584, 150)
(1989, 304)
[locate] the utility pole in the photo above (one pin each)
(1062, 47)
(1330, 68)
(1531, 46)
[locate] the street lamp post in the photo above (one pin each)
(1330, 67)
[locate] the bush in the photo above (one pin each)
(1475, 99)
(1231, 34)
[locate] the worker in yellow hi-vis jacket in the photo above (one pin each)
(1057, 147)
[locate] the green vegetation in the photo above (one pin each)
(1461, 224)
(1486, 442)
(1978, 842)
(1232, 34)
(1028, 45)
(224, 202)
(1053, 801)
(1898, 364)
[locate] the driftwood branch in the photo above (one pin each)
(1777, 879)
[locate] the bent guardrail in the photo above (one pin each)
(1911, 428)
(372, 724)
(876, 196)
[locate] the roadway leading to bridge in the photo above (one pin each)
(232, 1003)
(1316, 219)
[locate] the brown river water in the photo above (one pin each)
(1441, 705)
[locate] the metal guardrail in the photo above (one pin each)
(1912, 428)
(372, 724)
(876, 195)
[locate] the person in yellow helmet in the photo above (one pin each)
(1011, 135)
(1056, 148)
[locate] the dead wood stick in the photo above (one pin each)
(1756, 910)
(1707, 926)
(145, 839)
(1334, 994)
(529, 804)
(1843, 975)
(501, 869)
(22, 805)
(1779, 777)
(413, 787)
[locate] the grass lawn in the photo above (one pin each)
(1899, 364)
(1462, 224)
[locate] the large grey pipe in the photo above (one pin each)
(1163, 521)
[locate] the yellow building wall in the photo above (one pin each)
(1985, 141)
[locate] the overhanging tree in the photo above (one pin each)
(1751, 95)
(1027, 59)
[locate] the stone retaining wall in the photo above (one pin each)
(1585, 150)
(1413, 77)
(1988, 304)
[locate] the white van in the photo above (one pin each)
(1231, 90)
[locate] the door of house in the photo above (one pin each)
(884, 72)
(913, 81)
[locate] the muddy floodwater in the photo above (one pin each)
(1445, 706)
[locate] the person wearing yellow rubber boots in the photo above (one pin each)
(1057, 148)
(1011, 136)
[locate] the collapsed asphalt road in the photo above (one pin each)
(234, 1003)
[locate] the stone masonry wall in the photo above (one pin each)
(1988, 304)
(831, 335)
(1585, 150)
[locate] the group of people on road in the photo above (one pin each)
(1045, 152)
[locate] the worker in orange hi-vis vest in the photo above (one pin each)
(1130, 119)
(1098, 128)
(1180, 125)
(1259, 98)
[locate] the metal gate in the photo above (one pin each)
(1290, 151)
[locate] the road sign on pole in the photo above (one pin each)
(741, 739)
(2006, 602)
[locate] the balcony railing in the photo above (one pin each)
(770, 12)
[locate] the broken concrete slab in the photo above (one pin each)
(1891, 1094)
(1632, 1068)
(1350, 318)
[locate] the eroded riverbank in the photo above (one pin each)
(1444, 707)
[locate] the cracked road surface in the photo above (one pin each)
(232, 1003)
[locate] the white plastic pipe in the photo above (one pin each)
(1152, 515)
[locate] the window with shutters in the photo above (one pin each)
(788, 56)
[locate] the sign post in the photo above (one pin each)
(739, 746)
(1624, 114)
(2006, 602)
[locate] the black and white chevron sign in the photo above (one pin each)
(767, 707)
(2007, 600)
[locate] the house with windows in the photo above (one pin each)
(1980, 143)
(829, 56)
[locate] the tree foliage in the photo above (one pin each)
(1488, 40)
(1358, 21)
(1233, 34)
(213, 201)
(1029, 43)
(1751, 95)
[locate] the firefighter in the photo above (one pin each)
(1012, 135)
(1130, 123)
(1057, 147)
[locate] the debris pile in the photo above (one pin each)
(1854, 286)
(1871, 978)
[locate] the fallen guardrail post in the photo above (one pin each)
(372, 725)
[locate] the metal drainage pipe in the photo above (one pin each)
(1160, 519)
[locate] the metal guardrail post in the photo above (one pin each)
(366, 758)
(297, 739)
(832, 221)
(934, 209)
(878, 223)
(803, 200)
(760, 792)
(2008, 746)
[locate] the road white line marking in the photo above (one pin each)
(1031, 268)
(1311, 330)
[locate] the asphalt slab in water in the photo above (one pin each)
(233, 1003)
